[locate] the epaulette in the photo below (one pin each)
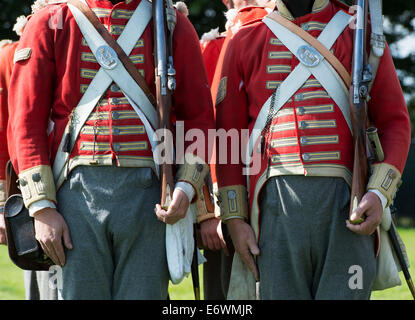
(230, 16)
(182, 8)
(40, 4)
(4, 42)
(211, 35)
(19, 25)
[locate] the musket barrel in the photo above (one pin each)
(358, 105)
(161, 44)
(163, 103)
(359, 47)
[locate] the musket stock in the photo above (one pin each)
(360, 165)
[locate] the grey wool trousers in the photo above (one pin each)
(306, 250)
(118, 242)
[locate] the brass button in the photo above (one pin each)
(300, 111)
(36, 177)
(115, 115)
(116, 146)
(231, 194)
(199, 167)
(302, 124)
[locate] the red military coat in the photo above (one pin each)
(245, 16)
(210, 51)
(55, 67)
(214, 52)
(6, 67)
(309, 135)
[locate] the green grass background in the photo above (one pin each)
(12, 286)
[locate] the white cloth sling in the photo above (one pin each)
(105, 76)
(322, 71)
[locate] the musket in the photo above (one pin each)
(165, 85)
(359, 93)
(366, 143)
(164, 21)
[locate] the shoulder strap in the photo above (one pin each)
(132, 91)
(323, 72)
(377, 38)
(315, 43)
(129, 66)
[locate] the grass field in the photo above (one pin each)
(12, 287)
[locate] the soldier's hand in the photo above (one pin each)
(51, 231)
(370, 211)
(244, 241)
(2, 229)
(212, 236)
(177, 209)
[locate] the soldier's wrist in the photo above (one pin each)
(36, 207)
(233, 203)
(193, 171)
(234, 222)
(234, 218)
(200, 218)
(187, 188)
(36, 184)
(381, 197)
(386, 179)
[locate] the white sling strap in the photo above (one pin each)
(377, 38)
(376, 24)
(105, 76)
(318, 67)
(109, 60)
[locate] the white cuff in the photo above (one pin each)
(39, 205)
(187, 188)
(381, 197)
